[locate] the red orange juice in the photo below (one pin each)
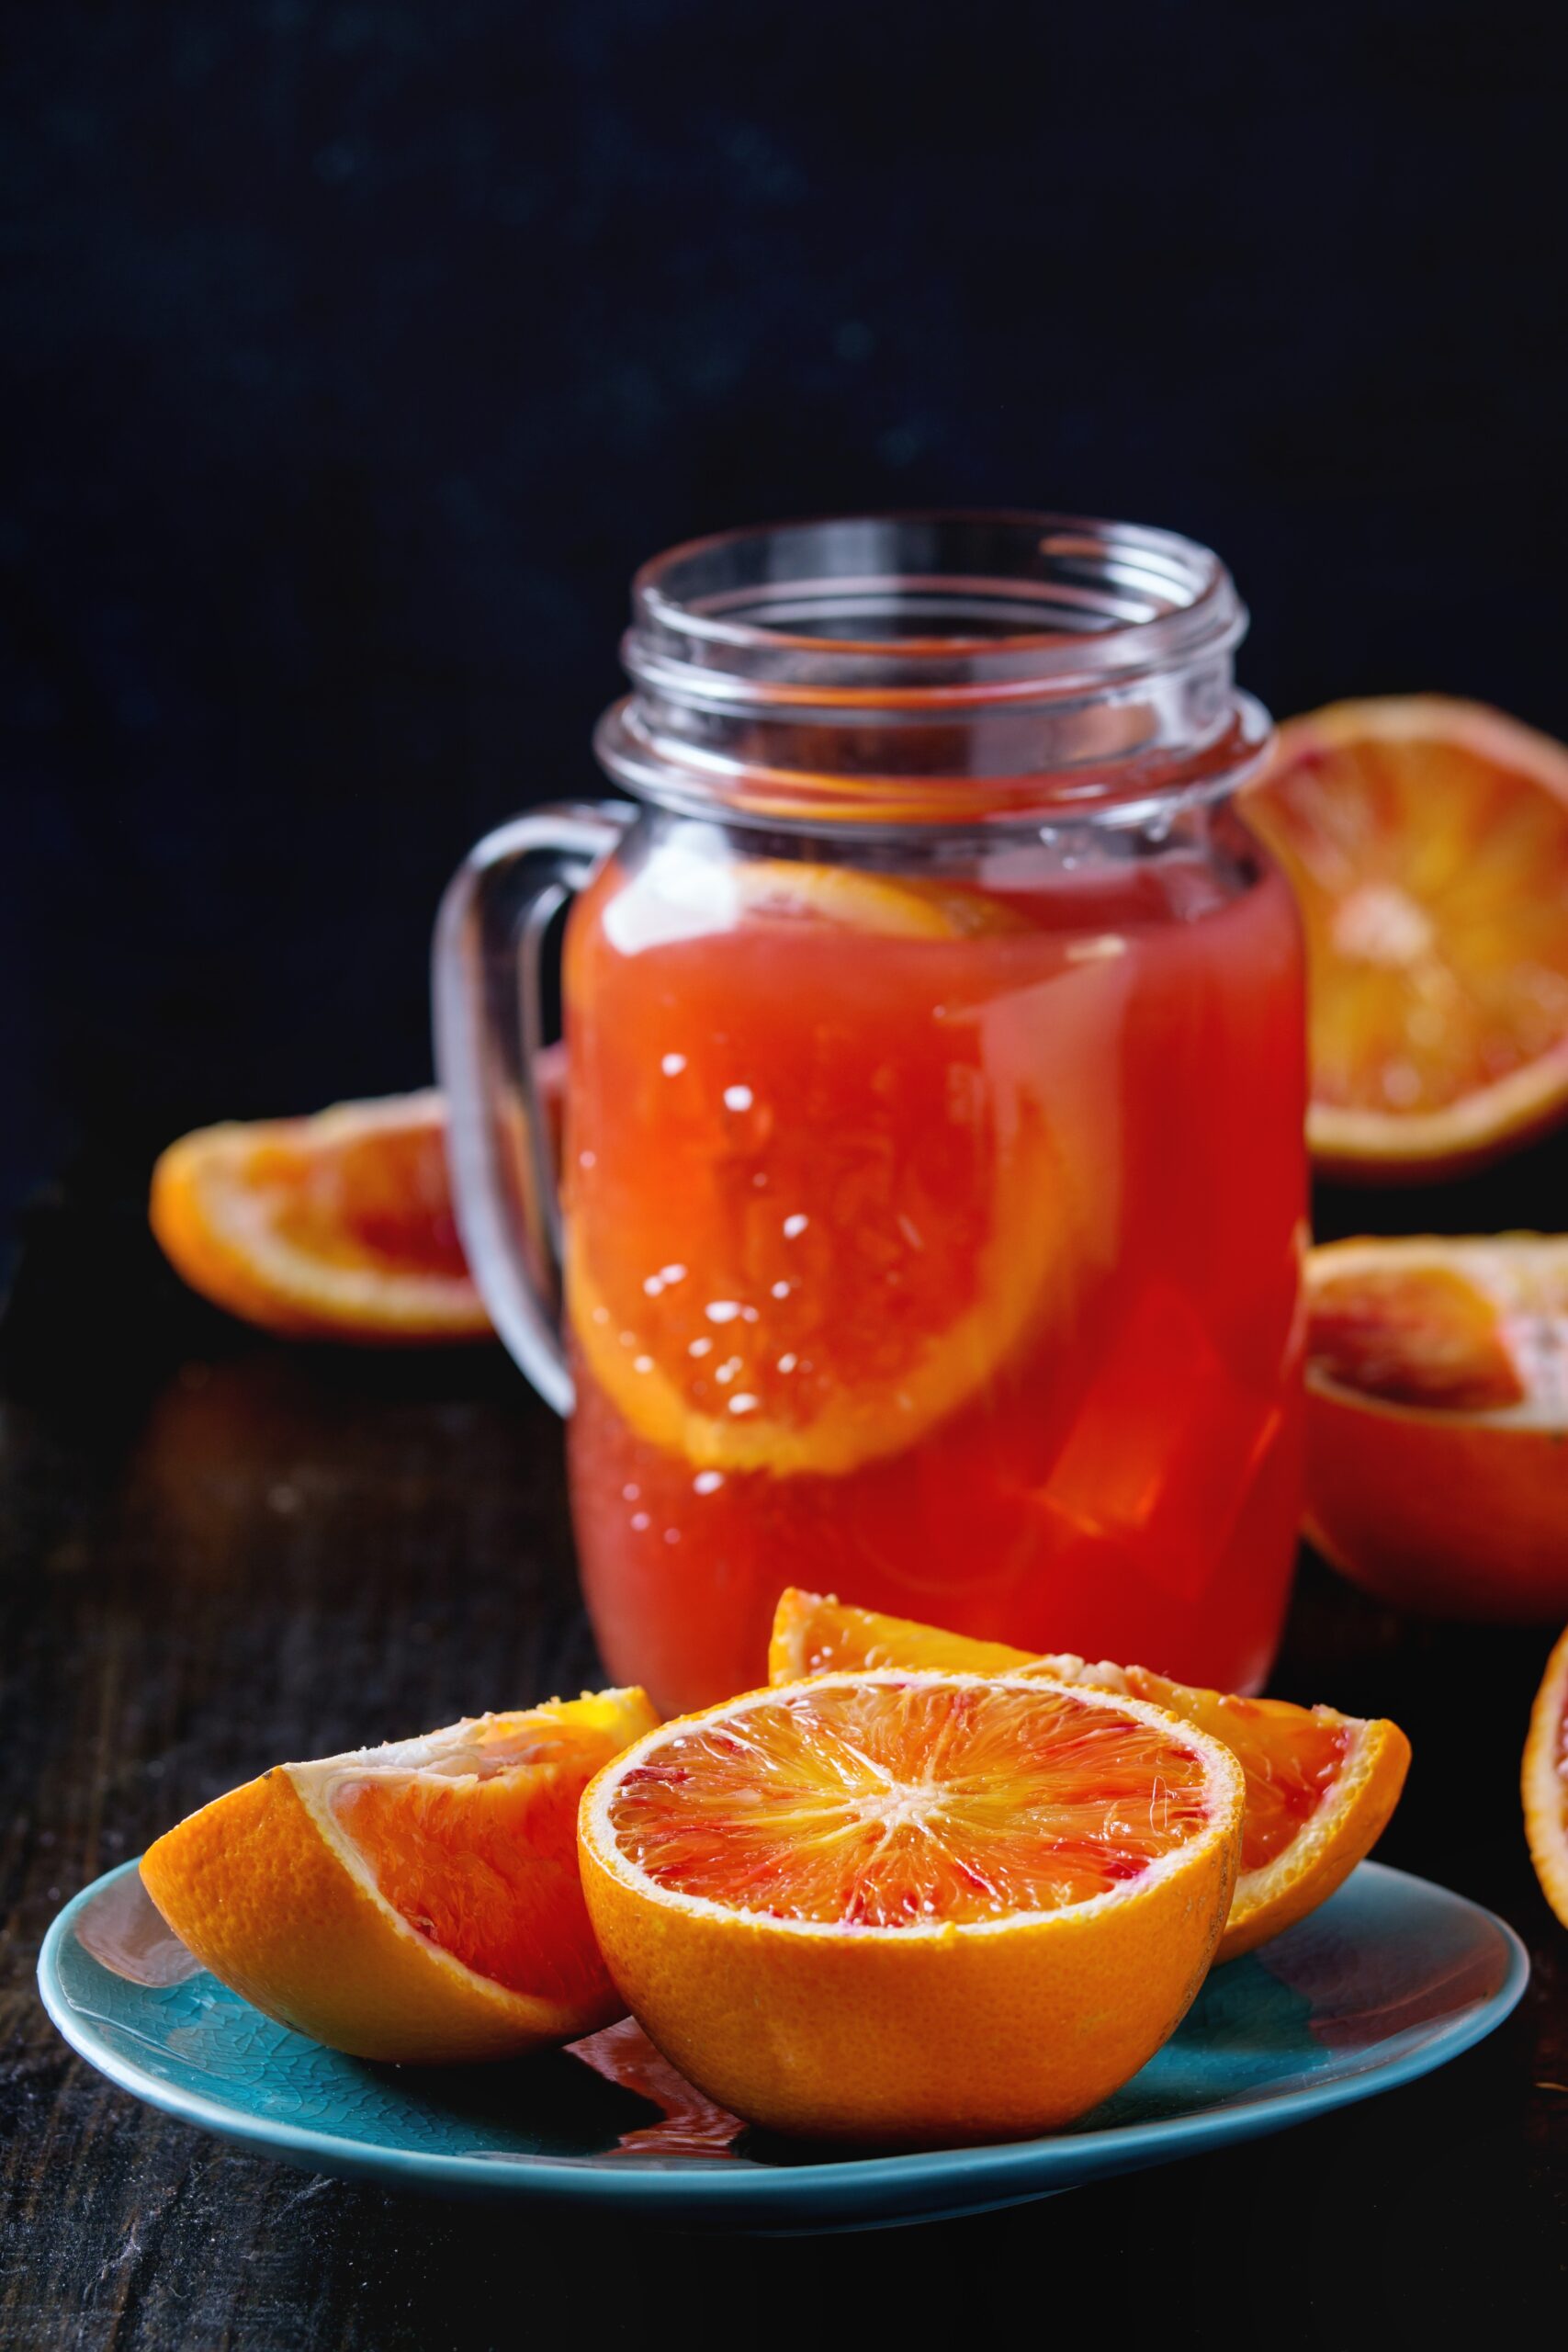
(936, 1239)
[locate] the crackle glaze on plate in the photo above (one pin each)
(1392, 1978)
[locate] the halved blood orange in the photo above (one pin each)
(338, 1227)
(756, 1290)
(1437, 1421)
(1427, 841)
(416, 1903)
(912, 1907)
(1545, 1781)
(1320, 1786)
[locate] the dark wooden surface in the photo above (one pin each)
(218, 1552)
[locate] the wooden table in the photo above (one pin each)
(218, 1552)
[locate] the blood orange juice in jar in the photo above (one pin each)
(933, 1186)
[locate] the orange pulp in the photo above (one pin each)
(899, 1802)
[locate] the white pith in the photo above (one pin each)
(1379, 923)
(1500, 1267)
(1223, 1795)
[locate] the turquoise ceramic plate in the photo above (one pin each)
(1393, 1977)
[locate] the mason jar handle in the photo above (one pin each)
(485, 983)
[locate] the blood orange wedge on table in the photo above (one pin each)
(1427, 841)
(336, 1227)
(1437, 1421)
(753, 1291)
(1319, 1786)
(415, 1903)
(912, 1908)
(1545, 1781)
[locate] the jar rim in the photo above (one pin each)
(1122, 597)
(949, 662)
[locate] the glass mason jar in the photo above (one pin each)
(932, 1184)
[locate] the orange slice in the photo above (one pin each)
(912, 1907)
(827, 1303)
(338, 1227)
(902, 908)
(417, 1903)
(1427, 841)
(1320, 1786)
(1545, 1781)
(1437, 1421)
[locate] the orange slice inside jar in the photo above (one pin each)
(798, 1249)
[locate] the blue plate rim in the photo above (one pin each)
(1013, 2168)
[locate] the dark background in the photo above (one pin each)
(359, 349)
(355, 351)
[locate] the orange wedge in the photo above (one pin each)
(1320, 1786)
(1545, 1781)
(338, 1227)
(1426, 842)
(418, 1902)
(1437, 1421)
(755, 1291)
(916, 1908)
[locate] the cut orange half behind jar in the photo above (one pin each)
(418, 1902)
(1437, 1421)
(1545, 1781)
(1427, 841)
(759, 1282)
(912, 1908)
(337, 1227)
(1320, 1786)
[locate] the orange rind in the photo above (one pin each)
(1438, 1421)
(418, 1902)
(917, 1908)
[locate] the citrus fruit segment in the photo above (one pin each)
(1320, 1786)
(1545, 1781)
(336, 1227)
(1427, 841)
(767, 1394)
(800, 1270)
(912, 1907)
(1436, 1413)
(906, 906)
(416, 1903)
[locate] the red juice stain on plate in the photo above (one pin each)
(691, 2125)
(127, 1934)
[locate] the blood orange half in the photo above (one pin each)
(1437, 1421)
(912, 1908)
(1427, 841)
